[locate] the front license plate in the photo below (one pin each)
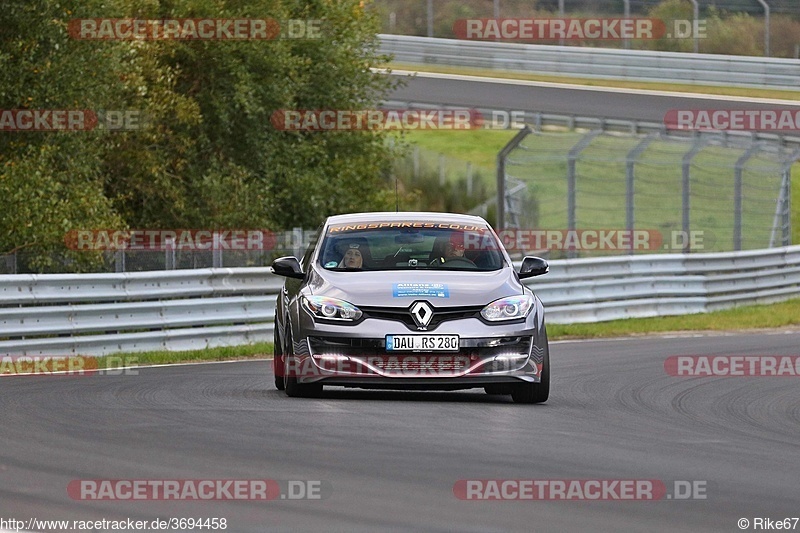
(421, 343)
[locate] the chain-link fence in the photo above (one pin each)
(679, 193)
(226, 254)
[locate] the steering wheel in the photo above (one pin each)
(463, 261)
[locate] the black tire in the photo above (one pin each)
(277, 361)
(290, 384)
(534, 392)
(498, 390)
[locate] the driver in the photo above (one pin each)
(453, 249)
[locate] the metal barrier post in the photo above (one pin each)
(630, 163)
(686, 191)
(627, 41)
(765, 5)
(169, 254)
(571, 179)
(297, 242)
(216, 251)
(783, 211)
(430, 18)
(501, 175)
(696, 17)
(119, 260)
(737, 195)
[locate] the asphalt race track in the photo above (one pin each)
(391, 458)
(563, 100)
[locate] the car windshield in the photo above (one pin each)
(410, 246)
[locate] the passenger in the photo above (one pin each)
(353, 257)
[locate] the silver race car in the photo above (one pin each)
(410, 301)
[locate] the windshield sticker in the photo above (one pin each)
(431, 290)
(344, 228)
(331, 264)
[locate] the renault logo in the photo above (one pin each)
(422, 314)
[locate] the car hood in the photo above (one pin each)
(401, 288)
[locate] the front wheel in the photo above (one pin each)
(277, 360)
(534, 392)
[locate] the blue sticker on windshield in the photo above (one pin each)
(431, 290)
(331, 264)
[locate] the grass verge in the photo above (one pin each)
(742, 318)
(594, 82)
(222, 353)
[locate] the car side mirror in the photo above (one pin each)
(288, 267)
(533, 266)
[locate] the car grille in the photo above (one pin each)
(439, 315)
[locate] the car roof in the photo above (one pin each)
(420, 216)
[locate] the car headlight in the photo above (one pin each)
(509, 308)
(331, 308)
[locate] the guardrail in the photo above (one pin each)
(609, 288)
(100, 314)
(636, 65)
(539, 121)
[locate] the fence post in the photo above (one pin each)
(430, 18)
(765, 5)
(695, 17)
(216, 251)
(572, 185)
(778, 219)
(416, 161)
(297, 242)
(496, 9)
(737, 195)
(119, 260)
(627, 41)
(783, 211)
(630, 163)
(787, 213)
(169, 254)
(501, 175)
(686, 191)
(441, 170)
(469, 179)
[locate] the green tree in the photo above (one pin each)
(208, 156)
